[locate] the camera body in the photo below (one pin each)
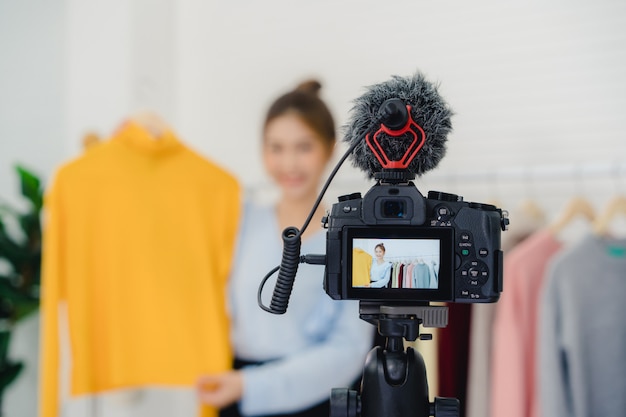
(438, 248)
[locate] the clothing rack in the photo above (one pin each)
(523, 174)
(556, 172)
(548, 183)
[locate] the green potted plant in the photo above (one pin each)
(20, 267)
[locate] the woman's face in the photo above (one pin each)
(294, 156)
(379, 252)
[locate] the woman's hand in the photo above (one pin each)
(220, 390)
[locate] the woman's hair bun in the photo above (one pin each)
(310, 86)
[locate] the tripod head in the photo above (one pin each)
(394, 382)
(402, 319)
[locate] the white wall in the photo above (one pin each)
(32, 133)
(32, 111)
(532, 85)
(538, 89)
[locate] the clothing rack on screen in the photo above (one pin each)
(411, 258)
(413, 271)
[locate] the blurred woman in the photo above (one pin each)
(287, 364)
(381, 269)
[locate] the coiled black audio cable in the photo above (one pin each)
(292, 241)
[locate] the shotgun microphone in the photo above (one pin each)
(411, 136)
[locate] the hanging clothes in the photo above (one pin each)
(513, 388)
(407, 279)
(421, 276)
(397, 269)
(453, 353)
(479, 396)
(361, 265)
(433, 271)
(582, 336)
(138, 243)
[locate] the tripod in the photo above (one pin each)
(394, 382)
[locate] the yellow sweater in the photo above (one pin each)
(138, 242)
(361, 265)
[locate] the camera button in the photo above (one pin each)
(475, 273)
(482, 252)
(465, 244)
(443, 213)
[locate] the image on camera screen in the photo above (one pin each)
(406, 263)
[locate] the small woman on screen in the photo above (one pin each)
(380, 271)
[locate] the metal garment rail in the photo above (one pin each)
(557, 172)
(528, 174)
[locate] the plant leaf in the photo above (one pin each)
(8, 374)
(31, 227)
(9, 291)
(6, 209)
(31, 187)
(24, 309)
(11, 252)
(5, 338)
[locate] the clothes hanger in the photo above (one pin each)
(578, 206)
(90, 139)
(529, 206)
(531, 209)
(615, 207)
(151, 122)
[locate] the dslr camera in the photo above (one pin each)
(438, 248)
(394, 244)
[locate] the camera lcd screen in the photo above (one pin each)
(410, 263)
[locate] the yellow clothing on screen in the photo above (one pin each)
(138, 243)
(361, 265)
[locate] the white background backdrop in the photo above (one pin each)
(538, 89)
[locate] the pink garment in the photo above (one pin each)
(513, 384)
(407, 281)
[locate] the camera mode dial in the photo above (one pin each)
(346, 197)
(441, 196)
(483, 206)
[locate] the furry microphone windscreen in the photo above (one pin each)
(428, 109)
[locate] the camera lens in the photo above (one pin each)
(394, 209)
